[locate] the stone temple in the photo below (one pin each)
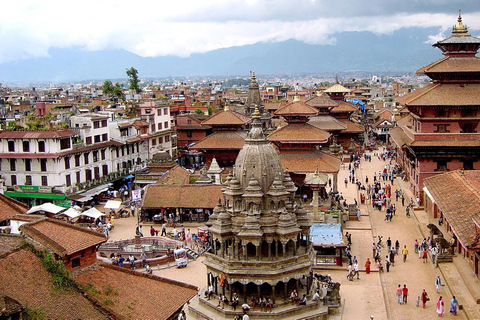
(260, 236)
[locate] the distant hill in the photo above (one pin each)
(403, 51)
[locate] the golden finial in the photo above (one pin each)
(256, 113)
(253, 75)
(459, 29)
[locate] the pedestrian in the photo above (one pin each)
(374, 249)
(399, 294)
(425, 298)
(356, 269)
(425, 255)
(397, 246)
(346, 182)
(389, 243)
(392, 257)
(417, 302)
(440, 306)
(387, 263)
(164, 229)
(405, 293)
(350, 272)
(438, 283)
(182, 316)
(415, 244)
(404, 253)
(453, 306)
(367, 266)
(143, 257)
(152, 231)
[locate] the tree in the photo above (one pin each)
(198, 111)
(118, 90)
(107, 87)
(133, 82)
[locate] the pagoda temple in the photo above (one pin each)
(441, 132)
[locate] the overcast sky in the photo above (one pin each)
(29, 28)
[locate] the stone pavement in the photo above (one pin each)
(373, 294)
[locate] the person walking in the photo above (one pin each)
(425, 298)
(453, 306)
(405, 293)
(367, 266)
(397, 246)
(399, 294)
(438, 283)
(440, 306)
(356, 269)
(387, 263)
(425, 255)
(404, 253)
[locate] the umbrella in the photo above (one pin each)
(48, 207)
(112, 204)
(92, 213)
(71, 213)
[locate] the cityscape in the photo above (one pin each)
(302, 195)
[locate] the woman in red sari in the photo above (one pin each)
(367, 266)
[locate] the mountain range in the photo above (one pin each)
(403, 51)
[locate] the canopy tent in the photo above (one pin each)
(48, 207)
(112, 204)
(71, 213)
(92, 213)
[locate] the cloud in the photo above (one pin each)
(29, 28)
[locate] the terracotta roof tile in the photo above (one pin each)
(221, 140)
(452, 64)
(443, 94)
(305, 162)
(352, 127)
(226, 118)
(10, 242)
(177, 175)
(299, 133)
(10, 207)
(36, 134)
(344, 107)
(136, 295)
(24, 278)
(457, 195)
(297, 108)
(182, 196)
(323, 100)
(61, 237)
(327, 123)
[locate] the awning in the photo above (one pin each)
(71, 213)
(52, 196)
(92, 213)
(112, 204)
(97, 190)
(128, 177)
(48, 207)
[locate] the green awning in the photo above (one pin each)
(53, 196)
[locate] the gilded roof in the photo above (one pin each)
(457, 195)
(136, 295)
(228, 117)
(450, 94)
(61, 237)
(221, 140)
(305, 162)
(182, 196)
(299, 133)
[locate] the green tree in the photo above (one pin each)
(118, 90)
(198, 111)
(133, 82)
(107, 87)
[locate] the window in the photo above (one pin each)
(441, 113)
(167, 138)
(13, 179)
(13, 164)
(468, 164)
(96, 172)
(105, 169)
(41, 146)
(154, 142)
(88, 140)
(468, 127)
(123, 151)
(88, 175)
(44, 181)
(78, 176)
(77, 160)
(67, 163)
(85, 156)
(159, 112)
(102, 152)
(189, 121)
(28, 164)
(68, 180)
(26, 146)
(118, 152)
(152, 127)
(11, 146)
(28, 180)
(64, 143)
(147, 111)
(123, 132)
(165, 111)
(43, 164)
(75, 262)
(441, 165)
(159, 126)
(165, 124)
(97, 138)
(104, 123)
(189, 133)
(105, 137)
(96, 124)
(160, 140)
(441, 128)
(95, 156)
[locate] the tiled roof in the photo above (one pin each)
(9, 242)
(296, 108)
(177, 175)
(323, 100)
(305, 162)
(226, 118)
(10, 207)
(136, 295)
(352, 127)
(24, 278)
(273, 105)
(337, 88)
(299, 133)
(60, 237)
(457, 195)
(182, 196)
(452, 64)
(344, 107)
(36, 134)
(222, 140)
(443, 94)
(138, 124)
(327, 123)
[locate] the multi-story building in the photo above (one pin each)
(157, 114)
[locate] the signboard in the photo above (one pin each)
(39, 189)
(136, 194)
